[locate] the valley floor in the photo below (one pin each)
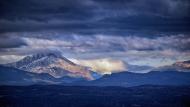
(79, 96)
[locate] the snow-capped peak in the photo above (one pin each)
(54, 64)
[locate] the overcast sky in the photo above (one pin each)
(141, 32)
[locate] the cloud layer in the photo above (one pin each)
(134, 49)
(11, 42)
(95, 16)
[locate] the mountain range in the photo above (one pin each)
(53, 68)
(128, 79)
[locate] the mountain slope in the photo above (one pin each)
(54, 64)
(13, 76)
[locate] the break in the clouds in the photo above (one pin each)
(103, 66)
(95, 16)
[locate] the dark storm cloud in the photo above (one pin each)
(157, 7)
(43, 10)
(95, 16)
(11, 42)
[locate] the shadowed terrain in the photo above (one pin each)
(78, 96)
